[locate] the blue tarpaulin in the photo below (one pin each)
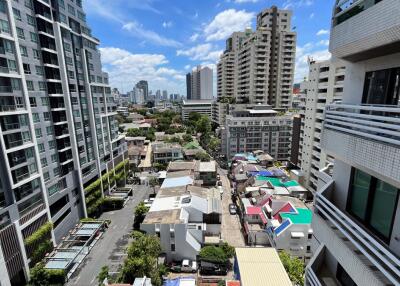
(262, 173)
(181, 281)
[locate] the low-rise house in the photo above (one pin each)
(207, 173)
(183, 216)
(135, 141)
(164, 153)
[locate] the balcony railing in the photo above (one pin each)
(375, 252)
(13, 107)
(377, 122)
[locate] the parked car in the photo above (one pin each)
(232, 209)
(209, 268)
(189, 266)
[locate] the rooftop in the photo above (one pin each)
(163, 217)
(181, 165)
(207, 166)
(304, 216)
(198, 102)
(261, 267)
(177, 182)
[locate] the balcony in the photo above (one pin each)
(365, 29)
(368, 135)
(365, 259)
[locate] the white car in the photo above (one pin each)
(189, 266)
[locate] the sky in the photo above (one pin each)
(161, 40)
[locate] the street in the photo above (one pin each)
(111, 247)
(230, 225)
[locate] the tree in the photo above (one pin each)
(203, 125)
(153, 182)
(214, 144)
(103, 274)
(142, 259)
(141, 210)
(187, 138)
(228, 249)
(214, 254)
(39, 276)
(202, 156)
(160, 167)
(294, 267)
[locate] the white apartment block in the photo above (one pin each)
(324, 86)
(357, 210)
(257, 128)
(263, 62)
(199, 106)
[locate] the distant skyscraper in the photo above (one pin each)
(136, 96)
(158, 94)
(202, 83)
(143, 84)
(189, 85)
(164, 95)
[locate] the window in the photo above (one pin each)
(373, 202)
(3, 6)
(63, 18)
(31, 20)
(32, 101)
(30, 86)
(43, 162)
(68, 60)
(42, 85)
(4, 26)
(71, 74)
(382, 87)
(34, 37)
(172, 247)
(12, 65)
(46, 116)
(27, 68)
(54, 158)
(28, 4)
(17, 14)
(67, 47)
(38, 132)
(61, 4)
(39, 70)
(343, 277)
(24, 51)
(41, 148)
(20, 33)
(36, 117)
(52, 144)
(45, 101)
(56, 171)
(49, 130)
(36, 54)
(46, 176)
(71, 9)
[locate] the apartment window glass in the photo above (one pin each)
(35, 117)
(39, 70)
(12, 65)
(52, 145)
(54, 158)
(43, 162)
(32, 102)
(41, 148)
(63, 18)
(20, 33)
(373, 202)
(24, 51)
(17, 14)
(4, 26)
(49, 130)
(27, 68)
(45, 101)
(71, 10)
(46, 176)
(36, 54)
(31, 20)
(42, 85)
(3, 6)
(34, 37)
(46, 116)
(30, 86)
(382, 87)
(38, 132)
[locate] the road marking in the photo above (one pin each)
(77, 279)
(94, 277)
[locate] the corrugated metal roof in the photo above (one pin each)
(176, 182)
(261, 267)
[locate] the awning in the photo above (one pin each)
(297, 234)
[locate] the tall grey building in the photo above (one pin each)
(258, 66)
(189, 86)
(202, 83)
(356, 219)
(144, 85)
(58, 131)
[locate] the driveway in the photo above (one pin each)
(110, 249)
(230, 226)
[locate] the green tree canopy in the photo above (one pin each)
(141, 210)
(202, 156)
(213, 254)
(294, 267)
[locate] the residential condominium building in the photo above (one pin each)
(357, 211)
(257, 128)
(324, 86)
(262, 61)
(201, 81)
(58, 131)
(199, 106)
(144, 85)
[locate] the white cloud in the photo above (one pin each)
(137, 30)
(246, 1)
(227, 22)
(312, 15)
(125, 69)
(322, 32)
(202, 52)
(187, 67)
(167, 24)
(194, 37)
(323, 43)
(303, 53)
(291, 4)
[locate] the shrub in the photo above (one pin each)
(42, 233)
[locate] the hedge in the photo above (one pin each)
(40, 251)
(113, 203)
(39, 235)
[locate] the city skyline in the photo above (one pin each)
(152, 40)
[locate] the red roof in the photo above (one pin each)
(232, 283)
(253, 210)
(287, 208)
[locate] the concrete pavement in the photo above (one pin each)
(230, 225)
(110, 249)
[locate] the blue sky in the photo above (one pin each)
(161, 40)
